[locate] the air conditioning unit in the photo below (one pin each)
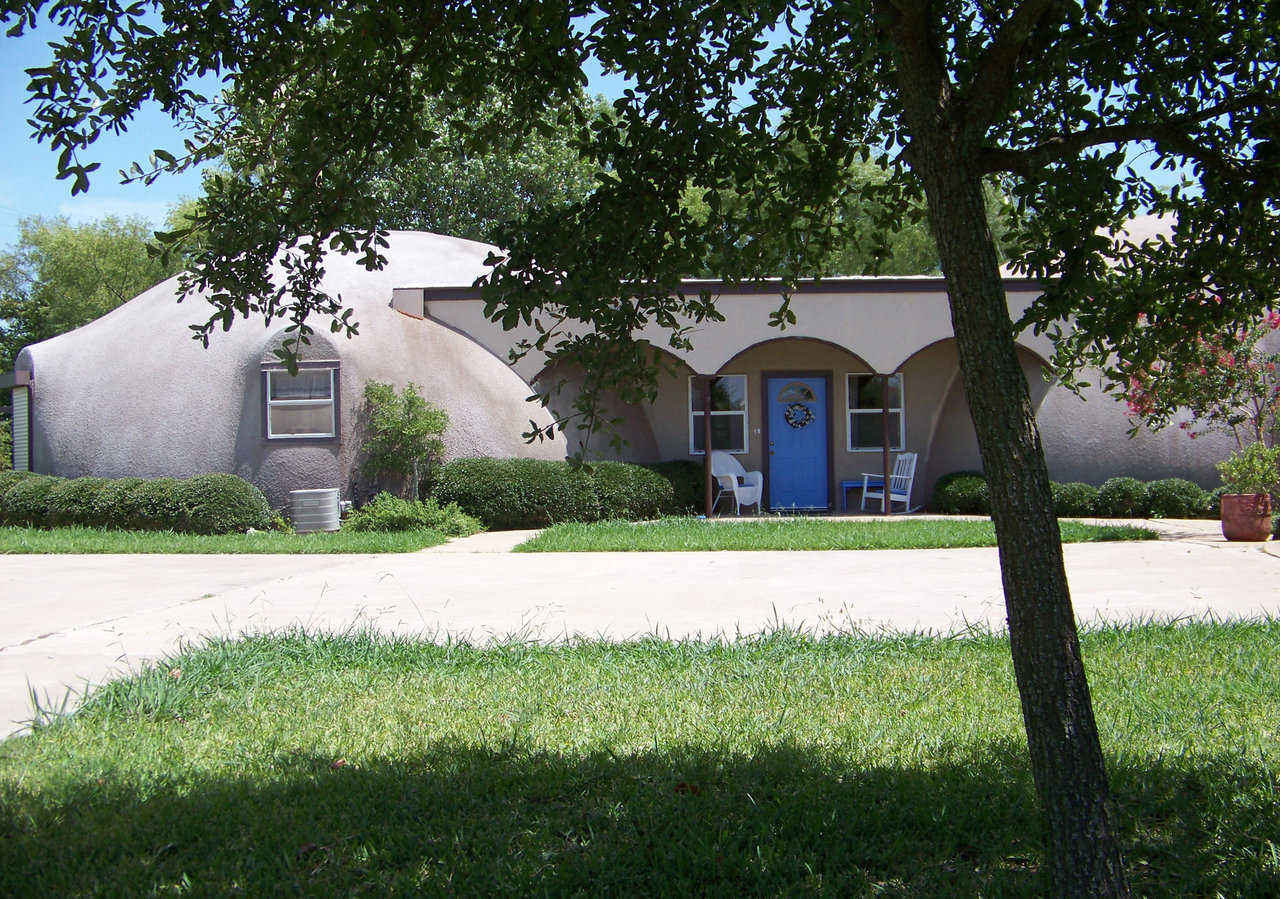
(314, 510)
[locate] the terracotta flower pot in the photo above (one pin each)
(1246, 516)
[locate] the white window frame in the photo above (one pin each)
(695, 416)
(331, 402)
(897, 445)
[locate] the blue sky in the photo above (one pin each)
(28, 185)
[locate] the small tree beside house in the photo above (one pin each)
(402, 434)
(1232, 386)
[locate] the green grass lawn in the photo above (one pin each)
(779, 765)
(95, 540)
(700, 535)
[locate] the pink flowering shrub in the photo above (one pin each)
(1232, 386)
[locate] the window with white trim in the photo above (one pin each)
(301, 405)
(865, 408)
(728, 415)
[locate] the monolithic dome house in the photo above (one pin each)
(132, 394)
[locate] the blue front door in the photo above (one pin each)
(798, 443)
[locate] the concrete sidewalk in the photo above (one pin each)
(69, 620)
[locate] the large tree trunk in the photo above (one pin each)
(1066, 757)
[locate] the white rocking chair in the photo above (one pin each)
(900, 481)
(746, 487)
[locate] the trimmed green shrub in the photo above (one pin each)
(9, 477)
(507, 494)
(220, 504)
(72, 502)
(1174, 498)
(391, 513)
(688, 485)
(630, 492)
(26, 502)
(1121, 498)
(962, 493)
(109, 503)
(1074, 500)
(1213, 508)
(151, 506)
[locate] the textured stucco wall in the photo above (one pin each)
(131, 394)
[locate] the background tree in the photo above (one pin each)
(59, 276)
(769, 103)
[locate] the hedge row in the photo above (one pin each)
(965, 493)
(204, 504)
(507, 494)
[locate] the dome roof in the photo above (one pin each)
(132, 393)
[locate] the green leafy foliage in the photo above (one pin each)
(1231, 386)
(113, 506)
(204, 504)
(6, 444)
(26, 502)
(220, 504)
(630, 492)
(688, 485)
(401, 433)
(965, 493)
(59, 276)
(1074, 500)
(388, 513)
(1174, 498)
(1121, 498)
(508, 494)
(962, 493)
(1254, 469)
(9, 477)
(72, 502)
(1213, 508)
(153, 505)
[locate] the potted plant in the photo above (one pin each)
(1251, 475)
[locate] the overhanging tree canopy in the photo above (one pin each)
(1074, 103)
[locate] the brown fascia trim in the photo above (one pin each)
(9, 379)
(862, 285)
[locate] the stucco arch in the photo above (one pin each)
(788, 340)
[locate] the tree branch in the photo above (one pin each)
(996, 69)
(924, 87)
(1174, 134)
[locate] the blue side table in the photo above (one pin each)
(846, 486)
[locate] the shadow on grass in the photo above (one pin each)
(674, 822)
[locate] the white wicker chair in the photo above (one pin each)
(746, 487)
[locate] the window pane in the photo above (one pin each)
(307, 384)
(864, 392)
(728, 432)
(867, 430)
(304, 418)
(728, 395)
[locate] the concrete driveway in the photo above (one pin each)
(72, 620)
